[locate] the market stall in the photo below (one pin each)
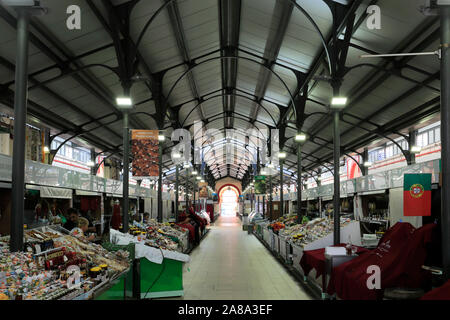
(374, 212)
(58, 266)
(318, 234)
(46, 205)
(315, 261)
(90, 205)
(160, 264)
(5, 208)
(400, 255)
(312, 208)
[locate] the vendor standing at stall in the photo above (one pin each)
(73, 219)
(186, 220)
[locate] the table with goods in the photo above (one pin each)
(160, 253)
(288, 239)
(58, 266)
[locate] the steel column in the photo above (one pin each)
(126, 170)
(160, 187)
(193, 192)
(186, 187)
(365, 170)
(264, 206)
(270, 195)
(336, 200)
(251, 199)
(93, 158)
(281, 188)
(20, 118)
(445, 137)
(411, 142)
(177, 190)
(299, 183)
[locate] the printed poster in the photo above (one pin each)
(145, 151)
(203, 190)
(260, 184)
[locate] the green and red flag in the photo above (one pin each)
(417, 195)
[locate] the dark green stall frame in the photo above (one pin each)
(161, 280)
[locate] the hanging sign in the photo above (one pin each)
(203, 190)
(260, 184)
(145, 148)
(417, 195)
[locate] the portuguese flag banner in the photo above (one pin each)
(417, 195)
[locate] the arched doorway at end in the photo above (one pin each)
(229, 200)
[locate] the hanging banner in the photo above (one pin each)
(353, 170)
(203, 190)
(144, 147)
(417, 195)
(260, 184)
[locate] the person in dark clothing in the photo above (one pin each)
(73, 219)
(146, 217)
(186, 219)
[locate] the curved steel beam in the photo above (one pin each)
(190, 69)
(72, 72)
(293, 2)
(55, 152)
(357, 162)
(226, 95)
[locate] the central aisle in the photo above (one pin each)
(231, 264)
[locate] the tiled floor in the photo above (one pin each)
(231, 264)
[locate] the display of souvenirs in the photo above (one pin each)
(45, 270)
(303, 234)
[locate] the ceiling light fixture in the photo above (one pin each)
(300, 137)
(176, 155)
(416, 149)
(338, 102)
(124, 102)
(282, 155)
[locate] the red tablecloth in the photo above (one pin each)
(400, 256)
(441, 293)
(315, 259)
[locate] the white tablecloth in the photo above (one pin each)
(143, 251)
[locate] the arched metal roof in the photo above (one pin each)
(265, 37)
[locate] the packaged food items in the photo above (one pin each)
(166, 236)
(44, 275)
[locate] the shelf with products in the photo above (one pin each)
(374, 212)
